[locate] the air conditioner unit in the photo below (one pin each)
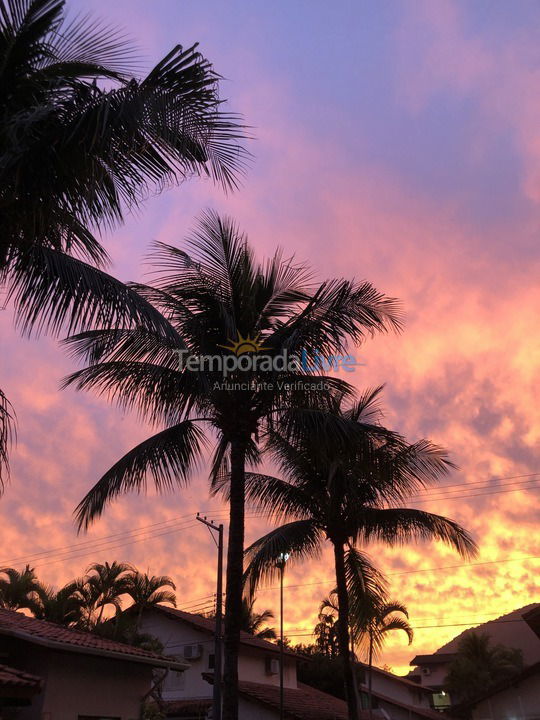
(272, 666)
(192, 652)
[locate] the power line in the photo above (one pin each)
(441, 488)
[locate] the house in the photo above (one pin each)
(511, 630)
(56, 673)
(517, 698)
(400, 697)
(188, 695)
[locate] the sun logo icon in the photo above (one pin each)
(244, 345)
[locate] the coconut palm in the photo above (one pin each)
(212, 294)
(479, 664)
(19, 590)
(146, 591)
(82, 139)
(347, 493)
(64, 606)
(107, 582)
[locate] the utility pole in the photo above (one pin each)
(218, 642)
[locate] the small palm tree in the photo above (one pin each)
(479, 665)
(20, 590)
(371, 622)
(64, 606)
(346, 492)
(147, 591)
(211, 294)
(253, 622)
(107, 582)
(82, 140)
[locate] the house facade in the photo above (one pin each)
(518, 698)
(57, 673)
(188, 695)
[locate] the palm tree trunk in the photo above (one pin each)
(235, 569)
(343, 631)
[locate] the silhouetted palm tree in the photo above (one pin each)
(82, 139)
(20, 590)
(479, 665)
(64, 606)
(253, 622)
(371, 622)
(146, 591)
(346, 492)
(214, 293)
(107, 582)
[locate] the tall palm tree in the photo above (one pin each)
(146, 591)
(107, 583)
(212, 294)
(347, 492)
(82, 139)
(19, 590)
(256, 623)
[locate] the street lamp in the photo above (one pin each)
(282, 559)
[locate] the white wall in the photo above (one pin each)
(398, 690)
(175, 634)
(520, 702)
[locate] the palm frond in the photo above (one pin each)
(168, 458)
(301, 539)
(7, 436)
(53, 291)
(396, 526)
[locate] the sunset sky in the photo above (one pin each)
(395, 141)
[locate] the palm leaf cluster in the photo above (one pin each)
(90, 601)
(84, 138)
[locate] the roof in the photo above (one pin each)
(207, 625)
(303, 703)
(528, 672)
(48, 634)
(532, 618)
(435, 659)
(13, 678)
(510, 630)
(421, 711)
(399, 678)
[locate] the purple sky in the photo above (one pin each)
(394, 141)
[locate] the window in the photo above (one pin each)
(211, 661)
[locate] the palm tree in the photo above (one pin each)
(325, 631)
(371, 622)
(252, 622)
(82, 139)
(19, 590)
(212, 294)
(64, 606)
(479, 665)
(346, 492)
(147, 591)
(107, 582)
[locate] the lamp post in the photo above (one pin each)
(282, 559)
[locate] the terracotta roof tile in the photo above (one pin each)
(48, 633)
(304, 703)
(11, 677)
